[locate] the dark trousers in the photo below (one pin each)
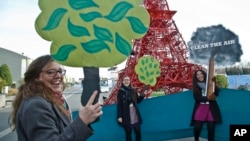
(128, 132)
(210, 130)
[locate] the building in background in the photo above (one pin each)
(17, 63)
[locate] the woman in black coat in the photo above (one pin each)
(206, 109)
(127, 111)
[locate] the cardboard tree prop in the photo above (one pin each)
(148, 69)
(91, 33)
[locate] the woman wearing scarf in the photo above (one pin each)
(206, 109)
(127, 111)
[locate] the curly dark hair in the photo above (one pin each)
(196, 88)
(33, 87)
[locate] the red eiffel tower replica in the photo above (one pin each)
(163, 42)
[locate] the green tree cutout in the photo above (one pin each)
(148, 69)
(91, 33)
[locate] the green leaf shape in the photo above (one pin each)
(55, 19)
(63, 52)
(143, 62)
(95, 46)
(103, 34)
(119, 11)
(146, 60)
(137, 26)
(80, 4)
(77, 31)
(122, 45)
(151, 80)
(142, 70)
(156, 66)
(150, 65)
(152, 73)
(88, 17)
(158, 73)
(142, 77)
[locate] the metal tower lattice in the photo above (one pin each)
(163, 42)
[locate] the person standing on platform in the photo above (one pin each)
(206, 109)
(128, 113)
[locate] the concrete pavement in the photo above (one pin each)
(5, 132)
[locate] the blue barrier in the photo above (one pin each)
(234, 81)
(168, 117)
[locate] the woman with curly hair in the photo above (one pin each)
(40, 113)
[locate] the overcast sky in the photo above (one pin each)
(17, 18)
